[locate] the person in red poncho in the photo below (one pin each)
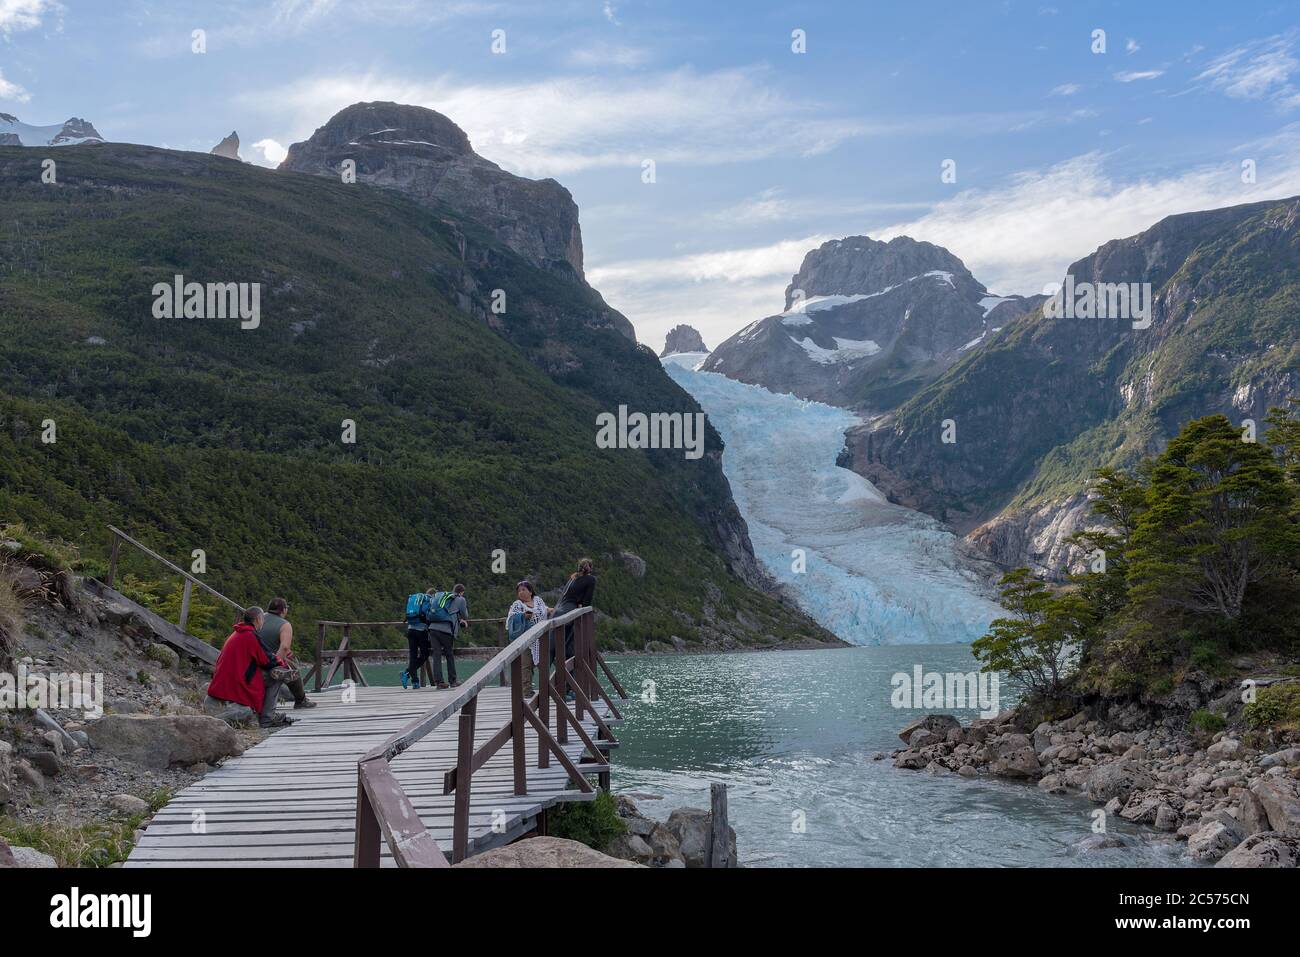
(238, 677)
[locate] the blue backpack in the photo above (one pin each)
(418, 608)
(438, 610)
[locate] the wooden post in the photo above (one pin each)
(517, 724)
(185, 604)
(544, 693)
(501, 643)
(320, 654)
(718, 853)
(464, 771)
(112, 560)
(365, 848)
(579, 655)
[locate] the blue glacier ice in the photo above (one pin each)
(876, 573)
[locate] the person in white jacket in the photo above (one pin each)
(526, 610)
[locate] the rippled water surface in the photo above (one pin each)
(795, 731)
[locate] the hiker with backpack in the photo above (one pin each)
(450, 611)
(419, 615)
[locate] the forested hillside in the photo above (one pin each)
(197, 434)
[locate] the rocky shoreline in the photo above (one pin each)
(1235, 804)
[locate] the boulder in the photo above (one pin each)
(691, 828)
(1116, 779)
(47, 762)
(911, 760)
(1253, 817)
(6, 856)
(159, 742)
(30, 857)
(1287, 758)
(544, 852)
(923, 738)
(1280, 798)
(235, 715)
(1212, 841)
(1224, 749)
(1266, 849)
(630, 847)
(937, 724)
(128, 804)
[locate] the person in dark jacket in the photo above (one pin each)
(442, 637)
(578, 593)
(276, 635)
(238, 679)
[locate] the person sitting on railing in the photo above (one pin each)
(443, 634)
(578, 593)
(526, 610)
(238, 687)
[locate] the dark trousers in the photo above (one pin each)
(443, 647)
(418, 644)
(270, 697)
(560, 609)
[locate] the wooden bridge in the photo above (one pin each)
(385, 777)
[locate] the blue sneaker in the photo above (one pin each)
(415, 683)
(406, 679)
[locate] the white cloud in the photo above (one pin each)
(1065, 89)
(272, 152)
(12, 91)
(1128, 76)
(565, 124)
(605, 54)
(1132, 46)
(16, 15)
(561, 125)
(1257, 71)
(610, 13)
(1018, 238)
(1021, 237)
(717, 292)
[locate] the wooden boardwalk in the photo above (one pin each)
(291, 801)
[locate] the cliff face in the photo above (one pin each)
(429, 158)
(228, 147)
(1053, 398)
(867, 324)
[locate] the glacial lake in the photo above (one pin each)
(793, 733)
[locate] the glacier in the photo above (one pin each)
(876, 573)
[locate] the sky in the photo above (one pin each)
(772, 126)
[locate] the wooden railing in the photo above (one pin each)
(120, 536)
(345, 657)
(383, 807)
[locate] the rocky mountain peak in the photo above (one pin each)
(867, 323)
(228, 147)
(860, 265)
(14, 132)
(423, 154)
(683, 338)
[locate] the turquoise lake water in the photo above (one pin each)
(792, 734)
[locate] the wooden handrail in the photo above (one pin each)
(382, 805)
(112, 568)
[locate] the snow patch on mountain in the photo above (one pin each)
(845, 349)
(876, 573)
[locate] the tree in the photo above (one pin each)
(1038, 646)
(1214, 525)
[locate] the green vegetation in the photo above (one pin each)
(1201, 561)
(1208, 723)
(196, 434)
(594, 823)
(95, 844)
(1276, 706)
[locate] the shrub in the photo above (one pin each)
(594, 823)
(1276, 706)
(1208, 722)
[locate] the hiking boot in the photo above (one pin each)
(406, 680)
(443, 684)
(279, 721)
(304, 704)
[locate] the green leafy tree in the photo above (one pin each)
(1038, 645)
(1215, 523)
